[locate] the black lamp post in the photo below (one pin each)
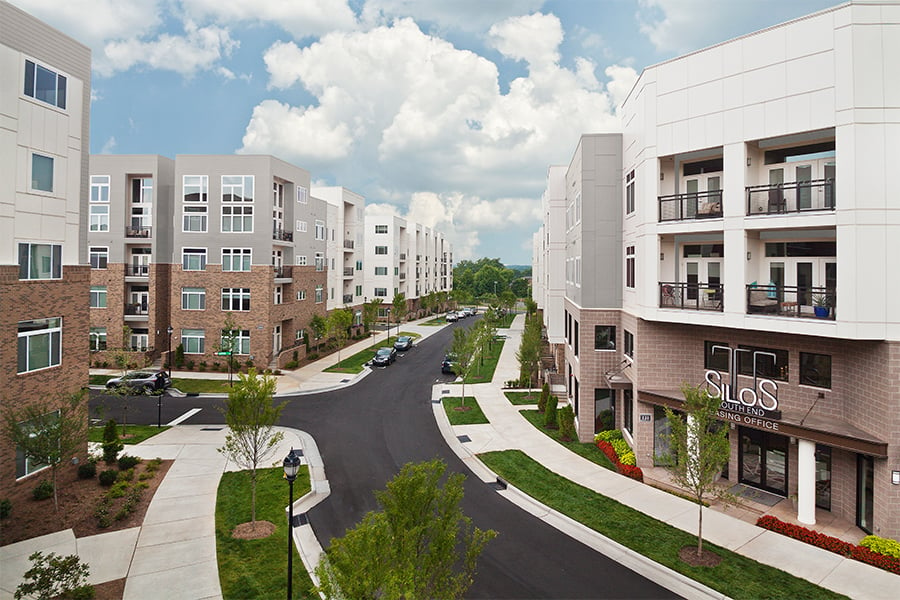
(389, 324)
(291, 466)
(169, 330)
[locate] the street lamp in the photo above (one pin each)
(291, 466)
(169, 330)
(388, 324)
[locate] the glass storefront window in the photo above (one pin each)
(823, 477)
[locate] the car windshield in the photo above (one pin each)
(384, 351)
(137, 376)
(402, 339)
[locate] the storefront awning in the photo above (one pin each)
(823, 430)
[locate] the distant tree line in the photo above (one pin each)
(488, 277)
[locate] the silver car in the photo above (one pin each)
(141, 381)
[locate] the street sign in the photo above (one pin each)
(223, 353)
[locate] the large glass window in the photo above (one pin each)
(193, 298)
(241, 341)
(381, 270)
(629, 192)
(193, 259)
(604, 337)
(41, 173)
(99, 188)
(320, 261)
(628, 411)
(715, 360)
(237, 219)
(301, 226)
(196, 205)
(25, 465)
(381, 229)
(629, 344)
(320, 230)
(99, 257)
(39, 342)
(320, 290)
(815, 369)
(237, 188)
(193, 341)
(380, 249)
(766, 366)
(302, 195)
(604, 409)
(237, 299)
(300, 260)
(98, 296)
(381, 292)
(40, 261)
(236, 259)
(99, 218)
(45, 84)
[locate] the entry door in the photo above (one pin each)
(711, 272)
(763, 460)
(276, 340)
(140, 264)
(865, 490)
(140, 342)
(141, 299)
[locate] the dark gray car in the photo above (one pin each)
(141, 381)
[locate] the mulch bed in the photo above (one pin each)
(708, 558)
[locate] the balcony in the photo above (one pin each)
(348, 298)
(690, 206)
(138, 231)
(282, 271)
(140, 309)
(348, 271)
(403, 256)
(803, 302)
(794, 197)
(402, 276)
(282, 235)
(348, 244)
(137, 270)
(690, 296)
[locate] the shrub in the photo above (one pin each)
(43, 490)
(108, 477)
(550, 417)
(545, 395)
(313, 356)
(118, 489)
(294, 356)
(277, 372)
(631, 471)
(127, 462)
(87, 470)
(608, 435)
(179, 355)
(881, 545)
(291, 364)
(101, 513)
(126, 475)
(566, 417)
(628, 459)
(189, 365)
(5, 508)
(55, 576)
(112, 445)
(201, 366)
(625, 465)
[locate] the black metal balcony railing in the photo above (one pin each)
(140, 308)
(348, 244)
(282, 235)
(792, 301)
(402, 276)
(693, 205)
(138, 232)
(403, 256)
(797, 196)
(137, 270)
(690, 296)
(282, 271)
(348, 271)
(348, 298)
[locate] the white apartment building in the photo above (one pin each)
(386, 262)
(758, 226)
(344, 246)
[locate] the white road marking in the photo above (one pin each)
(184, 417)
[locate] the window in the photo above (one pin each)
(301, 226)
(380, 249)
(98, 338)
(629, 267)
(239, 338)
(320, 230)
(300, 335)
(39, 344)
(236, 299)
(628, 411)
(193, 259)
(604, 337)
(381, 270)
(577, 340)
(45, 85)
(278, 295)
(237, 219)
(629, 192)
(194, 219)
(193, 341)
(41, 261)
(99, 188)
(193, 298)
(629, 344)
(300, 260)
(359, 265)
(320, 261)
(26, 465)
(319, 293)
(302, 195)
(236, 259)
(358, 290)
(196, 203)
(99, 256)
(301, 294)
(815, 370)
(41, 173)
(380, 292)
(766, 366)
(715, 360)
(604, 409)
(237, 188)
(99, 218)
(381, 229)
(98, 296)
(196, 188)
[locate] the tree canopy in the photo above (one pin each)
(489, 277)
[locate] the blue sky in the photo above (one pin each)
(445, 111)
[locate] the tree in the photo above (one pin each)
(400, 309)
(319, 326)
(49, 432)
(529, 352)
(699, 449)
(339, 322)
(519, 287)
(463, 349)
(419, 545)
(370, 312)
(54, 576)
(251, 418)
(228, 342)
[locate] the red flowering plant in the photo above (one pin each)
(627, 470)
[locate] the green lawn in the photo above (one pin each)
(473, 416)
(435, 322)
(136, 433)
(736, 576)
(258, 568)
(483, 373)
(188, 386)
(523, 398)
(354, 364)
(583, 449)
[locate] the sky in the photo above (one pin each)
(447, 112)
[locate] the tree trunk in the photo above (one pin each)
(700, 530)
(253, 495)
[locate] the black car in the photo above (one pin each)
(404, 342)
(140, 381)
(384, 356)
(448, 363)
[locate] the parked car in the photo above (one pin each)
(141, 381)
(451, 317)
(404, 342)
(470, 311)
(384, 356)
(462, 314)
(448, 363)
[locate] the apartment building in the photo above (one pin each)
(179, 247)
(386, 261)
(344, 247)
(45, 82)
(758, 225)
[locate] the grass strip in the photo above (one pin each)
(203, 386)
(472, 416)
(258, 568)
(523, 398)
(136, 433)
(354, 364)
(483, 371)
(583, 449)
(737, 576)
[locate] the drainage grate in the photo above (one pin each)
(211, 428)
(498, 485)
(464, 438)
(300, 519)
(445, 392)
(345, 381)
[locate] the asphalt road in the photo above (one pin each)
(368, 431)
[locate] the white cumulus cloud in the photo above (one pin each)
(300, 18)
(465, 15)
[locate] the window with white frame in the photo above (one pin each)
(98, 338)
(301, 226)
(381, 229)
(40, 261)
(99, 188)
(300, 260)
(236, 259)
(278, 295)
(193, 341)
(237, 299)
(320, 230)
(237, 219)
(358, 290)
(240, 340)
(44, 84)
(39, 344)
(195, 193)
(359, 265)
(99, 256)
(193, 298)
(629, 192)
(319, 293)
(380, 249)
(99, 217)
(98, 296)
(302, 194)
(41, 173)
(237, 188)
(25, 465)
(629, 266)
(300, 335)
(380, 292)
(381, 270)
(320, 261)
(193, 259)
(301, 294)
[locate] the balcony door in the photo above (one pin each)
(140, 299)
(702, 191)
(277, 207)
(276, 340)
(702, 273)
(140, 262)
(793, 187)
